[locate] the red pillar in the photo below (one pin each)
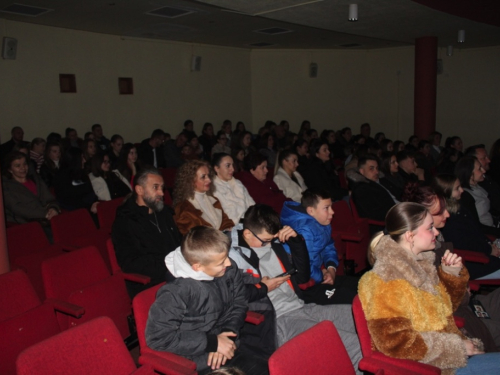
(425, 86)
(4, 257)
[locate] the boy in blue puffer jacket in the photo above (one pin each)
(311, 219)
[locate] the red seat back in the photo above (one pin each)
(92, 348)
(307, 351)
(26, 239)
(82, 278)
(169, 177)
(106, 213)
(72, 224)
(17, 295)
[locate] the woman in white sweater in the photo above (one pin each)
(231, 193)
(287, 178)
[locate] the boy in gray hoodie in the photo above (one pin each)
(198, 314)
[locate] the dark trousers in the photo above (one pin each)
(342, 292)
(249, 364)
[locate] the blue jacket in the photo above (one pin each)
(318, 238)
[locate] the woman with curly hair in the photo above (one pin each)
(194, 200)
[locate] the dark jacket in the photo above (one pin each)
(372, 200)
(394, 183)
(146, 154)
(466, 234)
(188, 315)
(172, 155)
(139, 246)
(21, 205)
(264, 192)
(73, 194)
(319, 174)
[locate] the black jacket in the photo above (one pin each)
(319, 174)
(371, 199)
(139, 245)
(394, 183)
(188, 315)
(146, 155)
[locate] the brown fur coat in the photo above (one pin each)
(409, 307)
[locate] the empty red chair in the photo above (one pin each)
(371, 359)
(176, 365)
(24, 319)
(76, 229)
(95, 347)
(82, 278)
(168, 177)
(312, 354)
(28, 247)
(106, 213)
(116, 270)
(354, 234)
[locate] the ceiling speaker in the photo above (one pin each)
(196, 63)
(9, 48)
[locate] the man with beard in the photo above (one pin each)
(144, 231)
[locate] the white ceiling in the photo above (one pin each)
(317, 24)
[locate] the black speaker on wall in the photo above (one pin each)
(313, 70)
(9, 48)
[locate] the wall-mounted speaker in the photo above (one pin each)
(196, 63)
(9, 48)
(313, 70)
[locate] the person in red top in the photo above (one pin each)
(261, 189)
(26, 197)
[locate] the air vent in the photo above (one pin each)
(170, 12)
(25, 10)
(261, 44)
(351, 45)
(273, 31)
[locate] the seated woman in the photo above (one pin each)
(409, 304)
(72, 185)
(194, 200)
(320, 171)
(463, 230)
(50, 164)
(107, 184)
(37, 152)
(287, 178)
(474, 198)
(26, 197)
(268, 149)
(115, 148)
(231, 193)
(390, 178)
(260, 188)
(128, 165)
(301, 148)
(89, 149)
(221, 145)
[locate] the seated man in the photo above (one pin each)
(144, 231)
(198, 314)
(311, 218)
(372, 199)
(408, 168)
(259, 249)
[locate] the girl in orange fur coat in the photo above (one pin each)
(409, 305)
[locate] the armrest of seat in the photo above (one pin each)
(378, 367)
(254, 318)
(376, 222)
(459, 321)
(67, 308)
(137, 278)
(67, 248)
(354, 237)
(144, 370)
(475, 285)
(472, 256)
(166, 366)
(309, 284)
(403, 366)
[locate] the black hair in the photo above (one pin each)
(312, 196)
(463, 170)
(261, 217)
(316, 145)
(217, 158)
(157, 133)
(363, 159)
(253, 160)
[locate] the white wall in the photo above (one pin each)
(352, 87)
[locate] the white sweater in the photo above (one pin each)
(233, 197)
(289, 187)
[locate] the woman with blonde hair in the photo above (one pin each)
(194, 201)
(409, 304)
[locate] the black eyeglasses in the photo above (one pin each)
(264, 243)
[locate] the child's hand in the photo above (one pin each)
(216, 360)
(329, 276)
(275, 282)
(285, 233)
(225, 345)
(451, 260)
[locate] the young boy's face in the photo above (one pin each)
(258, 239)
(323, 212)
(216, 264)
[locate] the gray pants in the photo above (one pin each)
(491, 302)
(291, 324)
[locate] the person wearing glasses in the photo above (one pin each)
(274, 262)
(107, 184)
(221, 145)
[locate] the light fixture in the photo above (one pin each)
(449, 50)
(461, 36)
(353, 12)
